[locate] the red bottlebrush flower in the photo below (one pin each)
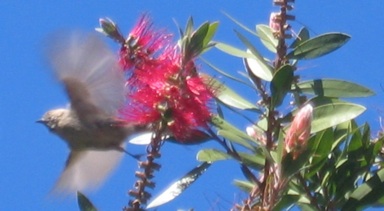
(162, 87)
(142, 44)
(299, 132)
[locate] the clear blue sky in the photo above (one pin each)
(31, 158)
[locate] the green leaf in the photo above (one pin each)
(340, 132)
(281, 84)
(235, 138)
(307, 206)
(266, 37)
(211, 155)
(196, 44)
(301, 37)
(229, 97)
(355, 143)
(291, 166)
(286, 200)
(329, 112)
(189, 27)
(210, 33)
(334, 88)
(256, 161)
(256, 81)
(378, 145)
(244, 185)
(84, 203)
(368, 193)
(278, 155)
(318, 46)
(232, 133)
(179, 186)
(240, 24)
(321, 146)
(225, 74)
(233, 51)
(256, 70)
(259, 66)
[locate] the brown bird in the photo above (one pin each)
(90, 125)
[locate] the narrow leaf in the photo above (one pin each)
(244, 185)
(334, 88)
(281, 84)
(189, 27)
(229, 97)
(256, 161)
(211, 155)
(84, 203)
(255, 68)
(262, 69)
(368, 193)
(267, 37)
(321, 145)
(226, 129)
(291, 166)
(225, 74)
(329, 112)
(235, 138)
(196, 44)
(178, 187)
(318, 46)
(233, 51)
(240, 24)
(256, 81)
(210, 33)
(280, 149)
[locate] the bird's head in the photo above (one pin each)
(51, 118)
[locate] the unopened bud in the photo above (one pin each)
(109, 28)
(299, 132)
(274, 22)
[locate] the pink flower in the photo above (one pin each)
(161, 87)
(299, 132)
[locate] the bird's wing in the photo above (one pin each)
(86, 170)
(90, 73)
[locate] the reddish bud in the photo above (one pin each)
(299, 132)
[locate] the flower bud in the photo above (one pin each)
(299, 132)
(109, 28)
(274, 22)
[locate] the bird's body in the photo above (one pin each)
(103, 134)
(90, 126)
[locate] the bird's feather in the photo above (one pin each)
(86, 170)
(89, 71)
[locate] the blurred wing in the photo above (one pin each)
(86, 170)
(89, 71)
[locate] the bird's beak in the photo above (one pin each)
(41, 121)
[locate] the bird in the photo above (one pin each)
(90, 124)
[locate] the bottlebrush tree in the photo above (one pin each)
(314, 156)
